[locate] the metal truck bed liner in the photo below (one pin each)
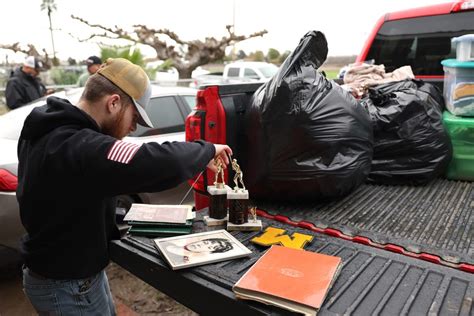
(437, 218)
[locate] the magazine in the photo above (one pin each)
(159, 213)
(200, 248)
(293, 279)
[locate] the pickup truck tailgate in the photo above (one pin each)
(371, 281)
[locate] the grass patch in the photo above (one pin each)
(331, 73)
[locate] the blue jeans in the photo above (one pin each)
(90, 296)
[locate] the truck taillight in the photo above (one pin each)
(194, 131)
(194, 121)
(207, 122)
(8, 181)
(193, 127)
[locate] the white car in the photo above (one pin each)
(168, 109)
(237, 72)
(249, 71)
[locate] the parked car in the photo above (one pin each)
(249, 71)
(237, 72)
(207, 79)
(168, 109)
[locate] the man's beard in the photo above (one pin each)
(114, 127)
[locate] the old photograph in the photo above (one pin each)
(202, 248)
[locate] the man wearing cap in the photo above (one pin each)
(93, 64)
(24, 85)
(72, 162)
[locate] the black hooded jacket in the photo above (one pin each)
(23, 88)
(68, 175)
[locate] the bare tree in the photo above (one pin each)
(50, 6)
(186, 57)
(29, 51)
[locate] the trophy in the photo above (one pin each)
(239, 204)
(253, 212)
(217, 198)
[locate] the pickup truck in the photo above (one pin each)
(238, 72)
(249, 71)
(433, 223)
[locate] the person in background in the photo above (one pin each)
(72, 164)
(93, 64)
(24, 85)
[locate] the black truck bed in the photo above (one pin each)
(436, 219)
(371, 281)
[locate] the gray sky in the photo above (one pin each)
(345, 23)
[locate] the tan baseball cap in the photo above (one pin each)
(133, 80)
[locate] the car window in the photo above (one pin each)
(165, 116)
(421, 42)
(190, 100)
(233, 72)
(268, 71)
(250, 73)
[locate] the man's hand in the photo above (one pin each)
(222, 153)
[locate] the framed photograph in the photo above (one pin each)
(201, 248)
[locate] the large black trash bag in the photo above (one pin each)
(411, 143)
(307, 138)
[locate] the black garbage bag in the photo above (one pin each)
(411, 143)
(307, 138)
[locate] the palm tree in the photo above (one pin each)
(50, 6)
(131, 53)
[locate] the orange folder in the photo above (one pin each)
(293, 279)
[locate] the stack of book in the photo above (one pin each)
(154, 220)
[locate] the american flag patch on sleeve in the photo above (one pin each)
(122, 152)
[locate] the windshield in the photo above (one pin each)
(268, 71)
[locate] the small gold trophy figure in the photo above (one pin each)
(238, 177)
(253, 212)
(219, 173)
